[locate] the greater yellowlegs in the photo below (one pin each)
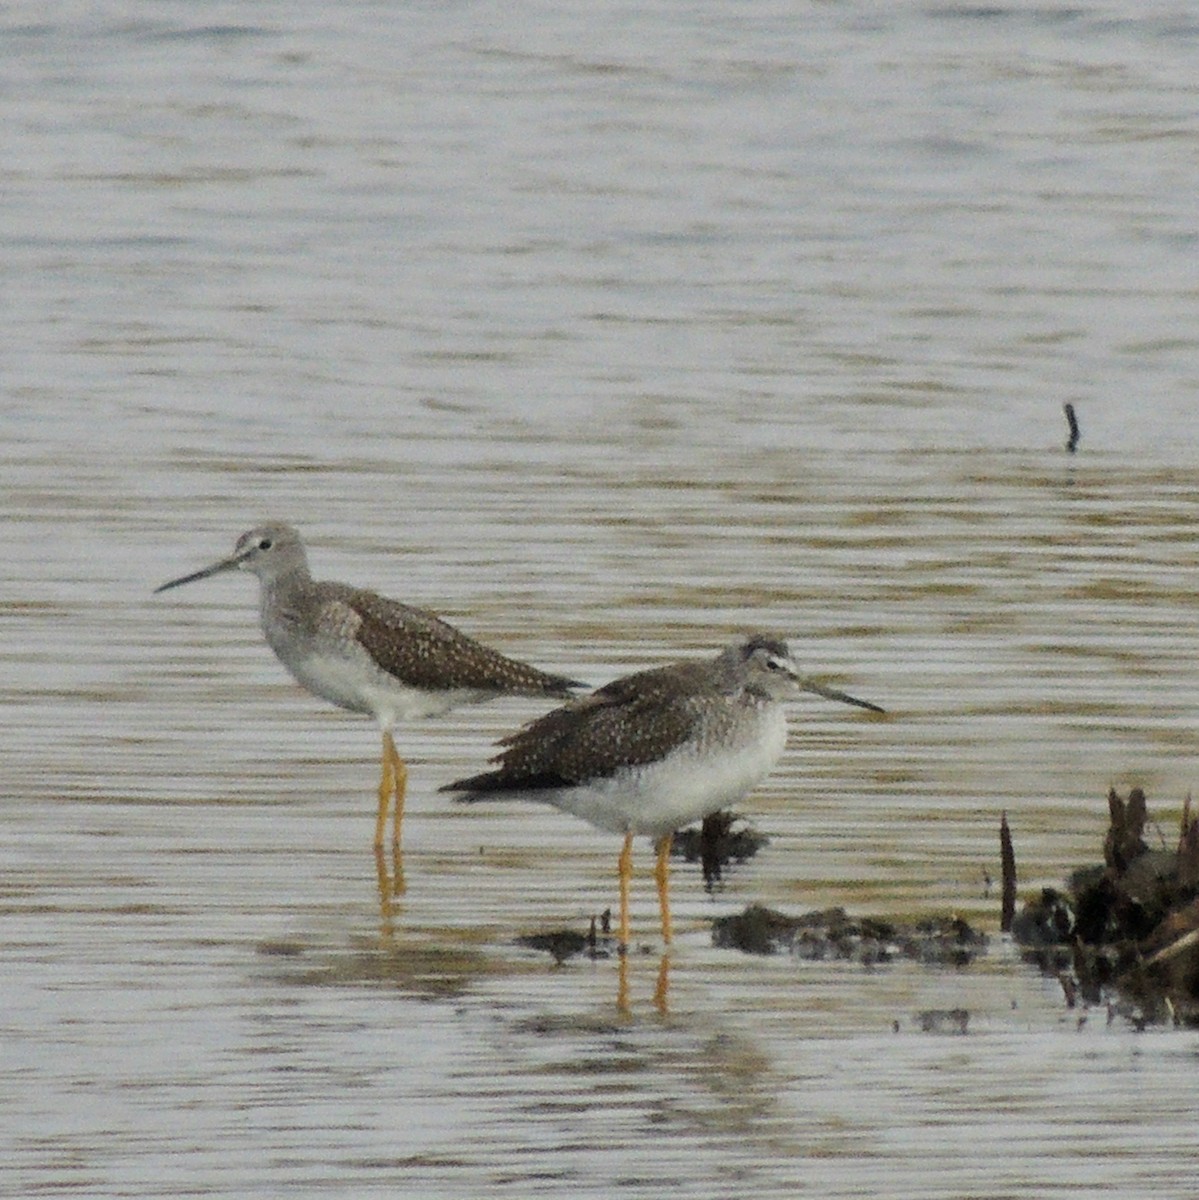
(369, 654)
(650, 752)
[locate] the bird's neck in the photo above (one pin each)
(281, 591)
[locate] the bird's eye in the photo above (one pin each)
(774, 664)
(265, 544)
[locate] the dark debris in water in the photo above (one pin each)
(723, 838)
(833, 934)
(1127, 928)
(563, 944)
(943, 1020)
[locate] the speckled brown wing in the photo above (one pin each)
(634, 720)
(424, 651)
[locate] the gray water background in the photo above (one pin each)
(605, 332)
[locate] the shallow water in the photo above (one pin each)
(605, 337)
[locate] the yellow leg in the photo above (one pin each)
(626, 874)
(662, 877)
(391, 881)
(622, 985)
(399, 774)
(386, 897)
(393, 782)
(662, 989)
(385, 785)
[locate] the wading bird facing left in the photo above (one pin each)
(369, 654)
(651, 752)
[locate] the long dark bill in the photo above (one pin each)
(226, 564)
(828, 693)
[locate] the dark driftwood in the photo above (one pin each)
(1072, 421)
(1007, 858)
(1127, 931)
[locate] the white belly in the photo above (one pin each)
(683, 787)
(362, 687)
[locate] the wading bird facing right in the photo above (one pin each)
(653, 751)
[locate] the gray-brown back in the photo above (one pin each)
(423, 651)
(633, 721)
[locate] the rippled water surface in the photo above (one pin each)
(605, 333)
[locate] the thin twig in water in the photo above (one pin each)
(1072, 421)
